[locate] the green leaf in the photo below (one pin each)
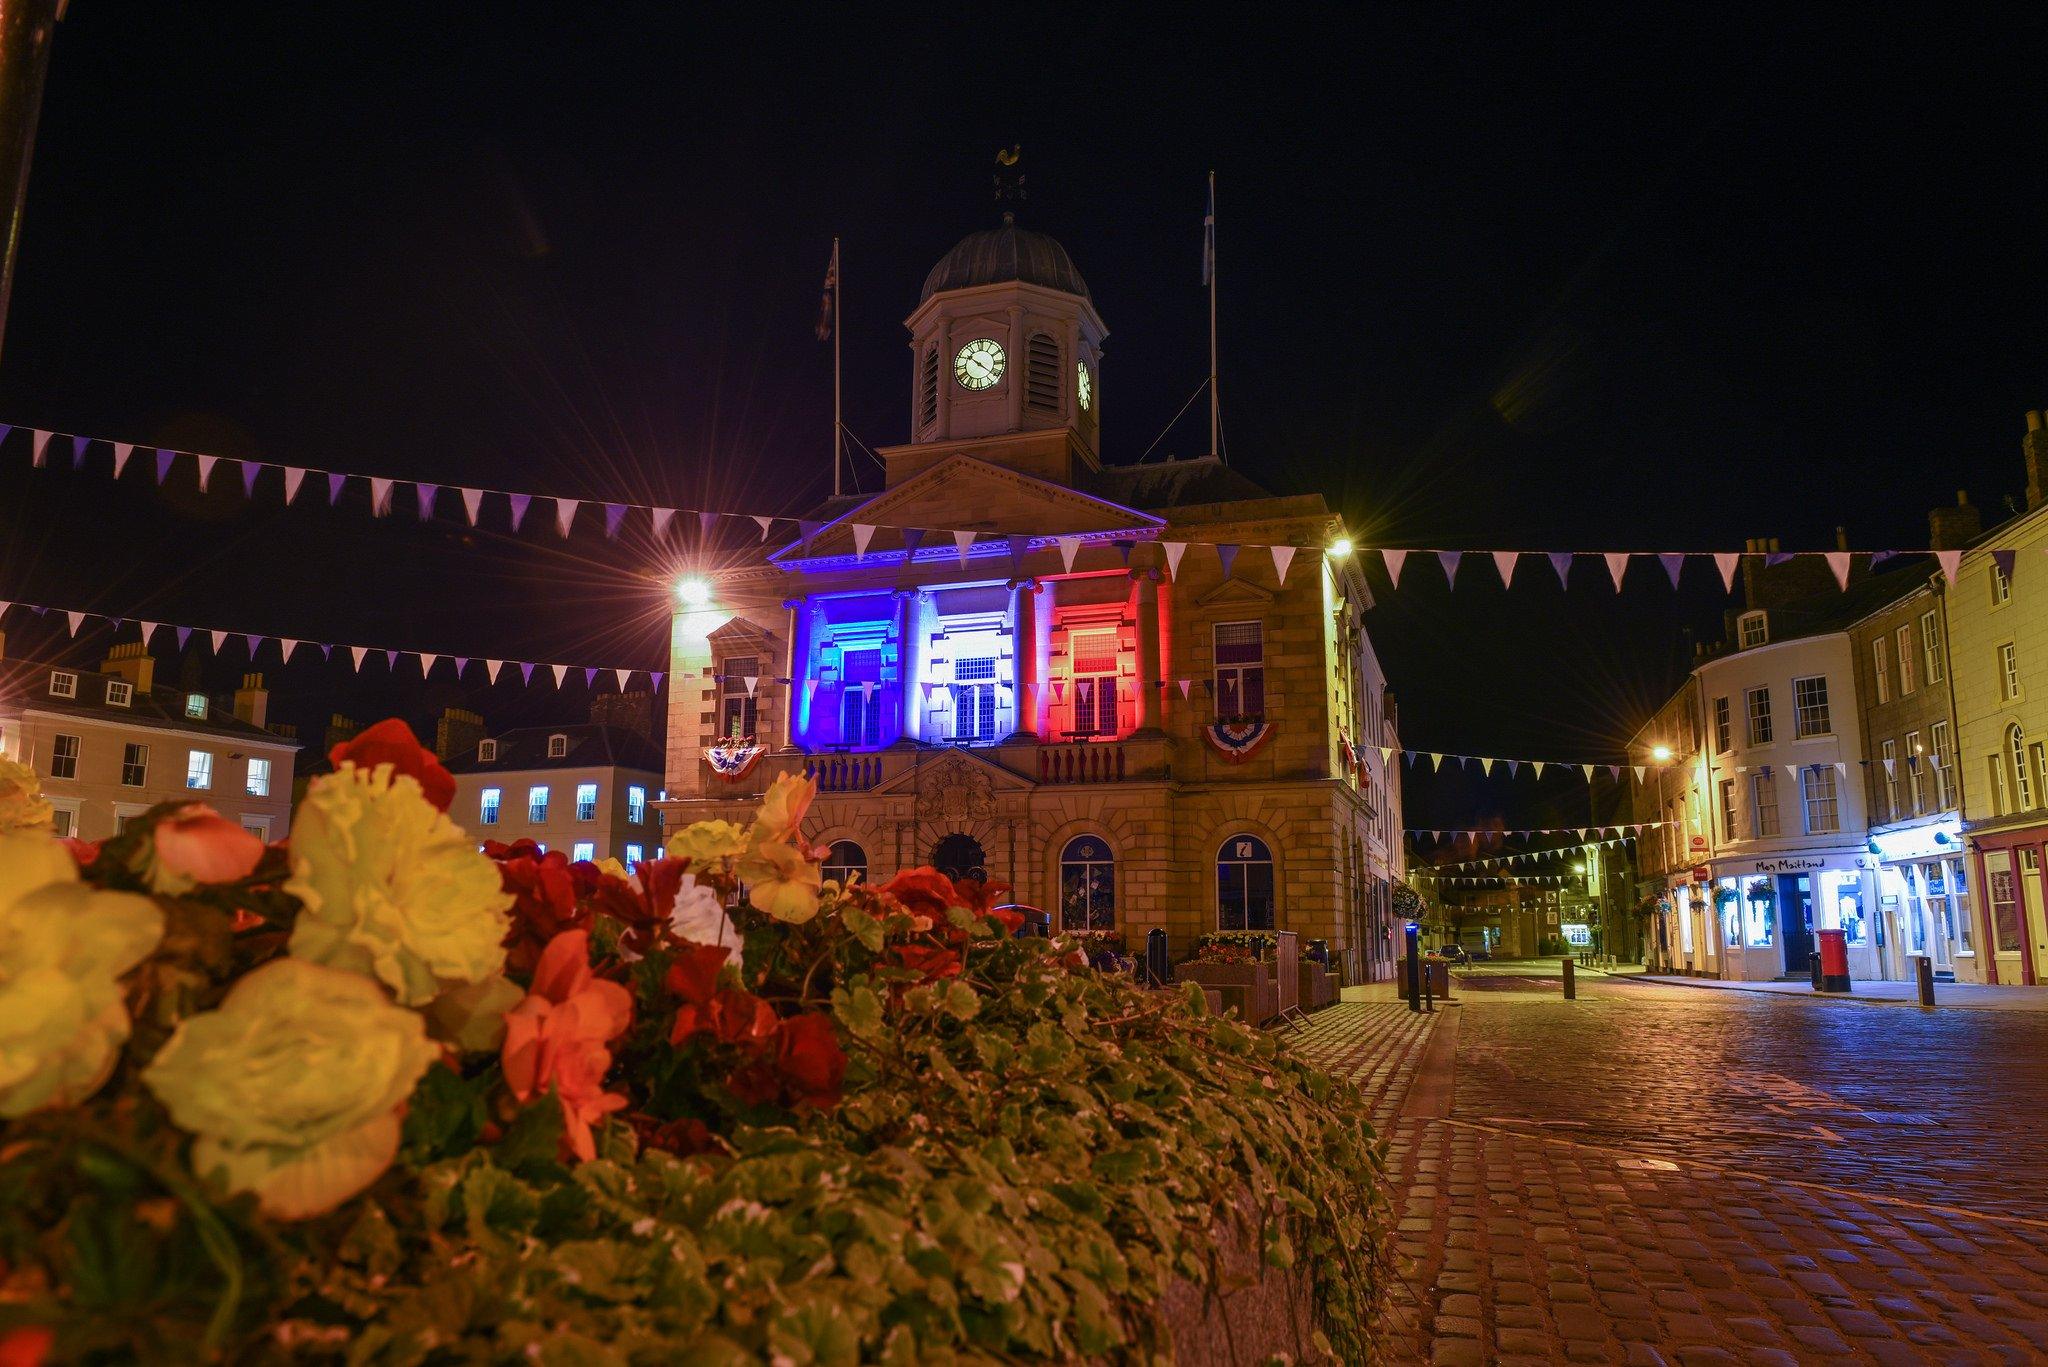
(445, 1116)
(859, 1010)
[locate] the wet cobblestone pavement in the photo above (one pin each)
(1657, 1174)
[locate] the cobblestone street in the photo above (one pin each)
(1662, 1174)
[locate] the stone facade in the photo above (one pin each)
(1005, 663)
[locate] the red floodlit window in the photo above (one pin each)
(1240, 669)
(1095, 683)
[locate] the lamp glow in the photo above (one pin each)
(693, 593)
(1661, 753)
(1340, 548)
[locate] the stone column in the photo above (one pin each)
(1024, 659)
(909, 660)
(799, 669)
(1150, 712)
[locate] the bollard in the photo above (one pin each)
(1813, 958)
(1571, 984)
(1924, 971)
(1414, 993)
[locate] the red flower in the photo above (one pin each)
(923, 892)
(198, 843)
(811, 1062)
(684, 1137)
(557, 1039)
(392, 742)
(930, 961)
(644, 909)
(27, 1345)
(84, 851)
(544, 905)
(694, 974)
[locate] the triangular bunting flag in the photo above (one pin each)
(526, 672)
(1226, 555)
(1614, 772)
(1436, 760)
(1394, 560)
(1124, 548)
(1283, 556)
(561, 674)
(2004, 559)
(1059, 690)
(1450, 561)
(1018, 544)
(1891, 768)
(427, 663)
(39, 450)
(752, 681)
(764, 523)
(662, 517)
(334, 483)
(810, 689)
(287, 645)
(1070, 546)
(1485, 767)
(76, 619)
(380, 496)
(391, 660)
(1617, 566)
(1186, 686)
(1589, 778)
(423, 499)
(863, 533)
(1504, 565)
(1727, 562)
(220, 638)
(206, 464)
(491, 668)
(122, 450)
(184, 635)
(164, 457)
(149, 629)
(624, 676)
(1642, 771)
(962, 543)
(1174, 551)
(614, 514)
(654, 679)
(808, 529)
(1838, 561)
(1537, 765)
(707, 523)
(472, 504)
(293, 478)
(565, 514)
(1949, 561)
(255, 643)
(78, 445)
(913, 537)
(1674, 565)
(867, 690)
(358, 652)
(589, 678)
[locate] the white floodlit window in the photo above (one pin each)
(558, 746)
(488, 805)
(586, 802)
(63, 684)
(1905, 636)
(1753, 629)
(486, 751)
(1880, 668)
(199, 769)
(2001, 585)
(64, 757)
(1763, 805)
(636, 804)
(120, 693)
(1888, 754)
(537, 804)
(259, 778)
(582, 850)
(2008, 671)
(134, 765)
(1823, 803)
(1930, 646)
(1757, 703)
(634, 854)
(1810, 706)
(195, 705)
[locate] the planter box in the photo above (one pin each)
(1248, 987)
(1318, 986)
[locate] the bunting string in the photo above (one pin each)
(1673, 564)
(1531, 856)
(1487, 763)
(1432, 832)
(287, 646)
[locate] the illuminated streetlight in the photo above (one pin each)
(693, 592)
(1661, 753)
(1340, 548)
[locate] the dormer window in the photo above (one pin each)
(558, 747)
(195, 706)
(486, 751)
(63, 684)
(1752, 630)
(120, 693)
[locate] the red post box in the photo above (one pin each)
(1834, 960)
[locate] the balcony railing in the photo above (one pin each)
(1083, 762)
(844, 773)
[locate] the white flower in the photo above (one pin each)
(698, 915)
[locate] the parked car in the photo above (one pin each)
(1455, 953)
(1480, 955)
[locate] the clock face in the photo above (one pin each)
(979, 364)
(1084, 384)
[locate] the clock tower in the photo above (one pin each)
(1006, 352)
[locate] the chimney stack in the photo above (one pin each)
(2034, 446)
(632, 712)
(134, 663)
(457, 733)
(252, 701)
(340, 730)
(1951, 529)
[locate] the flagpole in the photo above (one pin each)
(1215, 400)
(838, 326)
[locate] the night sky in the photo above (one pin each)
(1659, 285)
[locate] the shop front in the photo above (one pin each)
(2013, 924)
(1765, 912)
(1923, 902)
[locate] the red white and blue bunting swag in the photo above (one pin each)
(733, 760)
(1238, 741)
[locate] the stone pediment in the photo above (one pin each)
(1236, 591)
(954, 786)
(962, 492)
(738, 634)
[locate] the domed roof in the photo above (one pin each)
(996, 256)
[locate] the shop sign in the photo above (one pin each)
(1578, 933)
(1791, 864)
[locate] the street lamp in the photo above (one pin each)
(1661, 753)
(694, 592)
(1340, 548)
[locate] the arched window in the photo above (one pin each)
(845, 861)
(1042, 371)
(928, 389)
(960, 856)
(1087, 885)
(2022, 781)
(1244, 884)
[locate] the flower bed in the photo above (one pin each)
(380, 1096)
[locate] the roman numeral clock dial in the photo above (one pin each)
(979, 364)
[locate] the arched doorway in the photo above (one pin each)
(960, 856)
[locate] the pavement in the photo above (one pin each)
(1656, 1173)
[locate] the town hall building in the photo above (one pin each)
(1142, 695)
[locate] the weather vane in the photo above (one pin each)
(1009, 180)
